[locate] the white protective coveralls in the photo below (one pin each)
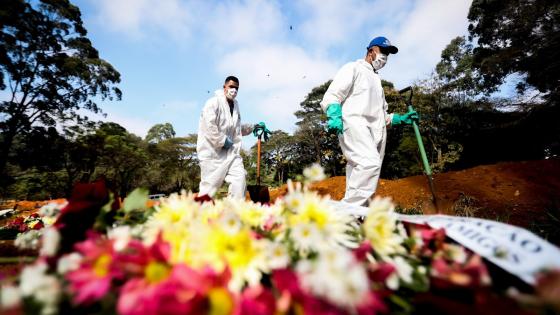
(357, 87)
(217, 163)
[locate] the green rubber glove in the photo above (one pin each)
(334, 122)
(261, 130)
(405, 119)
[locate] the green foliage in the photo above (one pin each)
(50, 66)
(160, 132)
(137, 199)
(516, 36)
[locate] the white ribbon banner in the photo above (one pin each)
(512, 248)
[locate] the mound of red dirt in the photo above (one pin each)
(516, 192)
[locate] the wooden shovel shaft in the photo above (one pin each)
(259, 161)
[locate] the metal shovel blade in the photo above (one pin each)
(259, 193)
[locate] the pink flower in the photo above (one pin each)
(380, 272)
(92, 280)
(136, 256)
(175, 289)
(361, 252)
(472, 274)
(256, 301)
(294, 297)
(432, 239)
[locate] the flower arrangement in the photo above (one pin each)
(185, 256)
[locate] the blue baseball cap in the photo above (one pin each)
(383, 42)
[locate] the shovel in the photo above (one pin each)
(427, 168)
(259, 193)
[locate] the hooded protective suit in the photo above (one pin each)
(357, 87)
(217, 163)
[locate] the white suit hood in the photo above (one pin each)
(357, 87)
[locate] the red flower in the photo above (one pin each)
(39, 225)
(380, 272)
(360, 253)
(204, 198)
(81, 211)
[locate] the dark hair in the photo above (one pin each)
(231, 78)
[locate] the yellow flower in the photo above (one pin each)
(221, 302)
(156, 272)
(101, 265)
(314, 213)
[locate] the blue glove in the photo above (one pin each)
(334, 114)
(227, 144)
(405, 119)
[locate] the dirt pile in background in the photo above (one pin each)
(520, 193)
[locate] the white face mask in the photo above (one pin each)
(379, 62)
(231, 93)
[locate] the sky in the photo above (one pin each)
(173, 54)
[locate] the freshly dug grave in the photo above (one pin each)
(521, 193)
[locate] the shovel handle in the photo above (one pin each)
(259, 161)
(423, 155)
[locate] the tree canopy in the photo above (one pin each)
(49, 66)
(517, 37)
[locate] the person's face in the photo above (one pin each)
(374, 51)
(230, 85)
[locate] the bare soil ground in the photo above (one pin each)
(526, 194)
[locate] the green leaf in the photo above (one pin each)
(136, 200)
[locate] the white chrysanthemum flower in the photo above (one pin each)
(403, 272)
(293, 200)
(252, 214)
(45, 289)
(314, 173)
(30, 278)
(334, 226)
(305, 236)
(49, 295)
(277, 256)
(381, 204)
(10, 297)
(121, 236)
(230, 222)
(335, 276)
(381, 228)
(456, 253)
(51, 210)
(69, 262)
(50, 242)
(172, 217)
(28, 240)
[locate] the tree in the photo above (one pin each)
(456, 77)
(122, 157)
(314, 143)
(160, 132)
(172, 165)
(50, 66)
(517, 37)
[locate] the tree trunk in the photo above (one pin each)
(8, 139)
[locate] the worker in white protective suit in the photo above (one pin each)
(219, 143)
(357, 111)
